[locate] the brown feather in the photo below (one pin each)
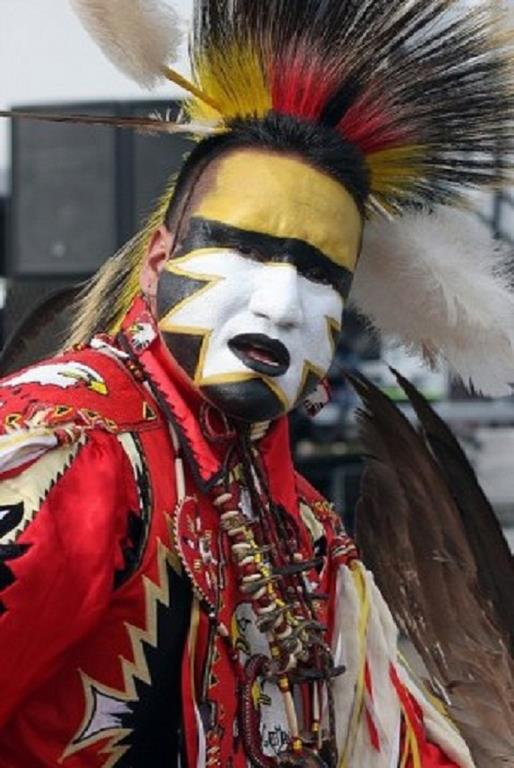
(483, 530)
(146, 124)
(415, 539)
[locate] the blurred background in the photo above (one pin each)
(71, 195)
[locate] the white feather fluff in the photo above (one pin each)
(439, 284)
(140, 37)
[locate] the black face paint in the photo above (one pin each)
(172, 290)
(249, 401)
(253, 396)
(309, 261)
(282, 358)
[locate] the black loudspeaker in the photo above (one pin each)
(3, 234)
(80, 191)
(23, 296)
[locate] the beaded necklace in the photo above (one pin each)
(271, 575)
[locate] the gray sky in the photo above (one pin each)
(46, 56)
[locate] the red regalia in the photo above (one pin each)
(171, 592)
(104, 573)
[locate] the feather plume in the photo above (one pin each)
(439, 284)
(425, 88)
(483, 530)
(419, 535)
(149, 125)
(140, 37)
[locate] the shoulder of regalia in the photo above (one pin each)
(59, 400)
(322, 509)
(322, 521)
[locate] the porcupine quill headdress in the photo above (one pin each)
(422, 90)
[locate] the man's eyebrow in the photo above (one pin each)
(205, 233)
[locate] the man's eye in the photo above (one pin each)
(317, 275)
(250, 253)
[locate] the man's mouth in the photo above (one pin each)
(261, 354)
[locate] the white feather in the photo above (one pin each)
(439, 284)
(140, 37)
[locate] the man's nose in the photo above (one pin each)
(276, 296)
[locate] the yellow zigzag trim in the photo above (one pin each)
(132, 670)
(154, 593)
(33, 485)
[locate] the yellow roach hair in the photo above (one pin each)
(235, 80)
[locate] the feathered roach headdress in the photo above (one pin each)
(417, 94)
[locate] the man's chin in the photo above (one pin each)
(248, 401)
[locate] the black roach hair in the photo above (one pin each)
(317, 145)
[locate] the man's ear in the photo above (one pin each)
(158, 253)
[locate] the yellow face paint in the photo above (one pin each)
(250, 305)
(271, 194)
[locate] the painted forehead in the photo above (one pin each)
(283, 199)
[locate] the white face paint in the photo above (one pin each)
(251, 305)
(242, 296)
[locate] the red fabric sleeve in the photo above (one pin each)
(56, 575)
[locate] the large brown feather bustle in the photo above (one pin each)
(430, 536)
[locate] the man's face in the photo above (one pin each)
(251, 303)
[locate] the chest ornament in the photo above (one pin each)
(197, 545)
(274, 578)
